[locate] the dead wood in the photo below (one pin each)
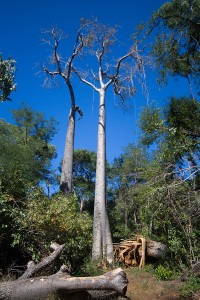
(134, 252)
(34, 269)
(156, 249)
(63, 285)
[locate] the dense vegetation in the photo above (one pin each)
(153, 187)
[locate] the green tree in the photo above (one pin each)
(172, 189)
(25, 151)
(84, 174)
(7, 76)
(127, 172)
(176, 48)
(157, 189)
(176, 127)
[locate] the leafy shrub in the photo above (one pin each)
(164, 273)
(192, 286)
(44, 221)
(149, 268)
(91, 268)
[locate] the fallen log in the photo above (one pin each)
(63, 286)
(156, 249)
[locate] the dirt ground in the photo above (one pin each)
(143, 286)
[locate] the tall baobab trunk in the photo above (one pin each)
(100, 38)
(63, 70)
(67, 165)
(102, 240)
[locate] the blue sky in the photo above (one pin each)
(21, 23)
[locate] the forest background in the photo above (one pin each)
(152, 169)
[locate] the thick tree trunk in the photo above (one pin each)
(102, 240)
(67, 165)
(63, 285)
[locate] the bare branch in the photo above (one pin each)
(84, 80)
(33, 269)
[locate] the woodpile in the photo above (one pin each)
(135, 251)
(131, 252)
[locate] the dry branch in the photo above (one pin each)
(33, 270)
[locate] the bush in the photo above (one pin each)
(164, 273)
(92, 268)
(192, 286)
(44, 221)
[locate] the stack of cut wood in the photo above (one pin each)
(131, 252)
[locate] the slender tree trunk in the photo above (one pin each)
(102, 240)
(67, 165)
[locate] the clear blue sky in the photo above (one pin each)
(21, 22)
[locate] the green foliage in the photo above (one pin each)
(7, 211)
(149, 268)
(90, 268)
(176, 48)
(183, 114)
(25, 152)
(191, 286)
(157, 195)
(152, 124)
(84, 172)
(7, 76)
(43, 221)
(127, 171)
(164, 273)
(175, 129)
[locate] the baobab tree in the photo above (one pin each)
(63, 69)
(118, 73)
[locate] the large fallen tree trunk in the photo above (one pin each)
(62, 285)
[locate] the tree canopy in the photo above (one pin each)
(7, 76)
(176, 49)
(25, 151)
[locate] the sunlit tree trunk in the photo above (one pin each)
(102, 240)
(99, 39)
(63, 70)
(66, 174)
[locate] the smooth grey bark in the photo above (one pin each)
(99, 39)
(100, 191)
(64, 69)
(67, 164)
(43, 287)
(102, 239)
